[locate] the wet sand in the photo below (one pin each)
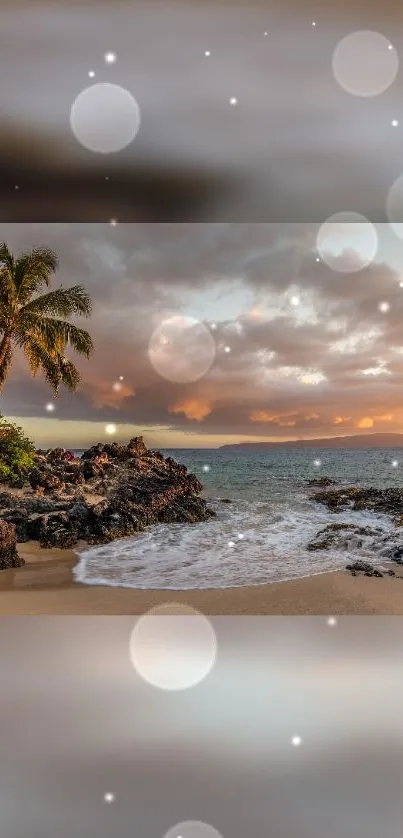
(45, 585)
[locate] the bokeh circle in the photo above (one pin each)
(363, 64)
(173, 647)
(105, 118)
(182, 349)
(347, 242)
(192, 829)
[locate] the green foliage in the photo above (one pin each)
(16, 451)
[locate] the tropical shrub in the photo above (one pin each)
(17, 452)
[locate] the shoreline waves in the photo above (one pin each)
(45, 585)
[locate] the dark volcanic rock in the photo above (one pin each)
(365, 568)
(18, 518)
(388, 501)
(56, 455)
(321, 481)
(94, 451)
(44, 478)
(8, 552)
(113, 491)
(137, 447)
(342, 536)
(79, 512)
(17, 483)
(393, 552)
(90, 470)
(59, 531)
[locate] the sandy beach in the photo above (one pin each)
(45, 585)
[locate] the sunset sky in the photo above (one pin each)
(286, 346)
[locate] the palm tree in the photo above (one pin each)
(40, 325)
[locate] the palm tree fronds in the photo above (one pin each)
(32, 270)
(39, 325)
(70, 375)
(7, 264)
(54, 334)
(63, 302)
(40, 358)
(6, 258)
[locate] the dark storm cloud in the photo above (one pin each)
(296, 147)
(323, 366)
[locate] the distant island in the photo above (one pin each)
(359, 441)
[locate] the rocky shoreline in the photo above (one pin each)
(114, 491)
(387, 546)
(110, 492)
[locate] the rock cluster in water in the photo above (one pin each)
(321, 481)
(387, 501)
(111, 492)
(388, 545)
(340, 536)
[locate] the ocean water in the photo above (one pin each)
(261, 537)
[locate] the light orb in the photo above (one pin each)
(182, 349)
(173, 647)
(192, 829)
(105, 118)
(384, 307)
(363, 65)
(347, 242)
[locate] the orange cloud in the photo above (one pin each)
(339, 420)
(312, 416)
(365, 422)
(263, 416)
(103, 394)
(387, 418)
(193, 409)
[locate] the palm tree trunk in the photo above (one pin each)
(5, 357)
